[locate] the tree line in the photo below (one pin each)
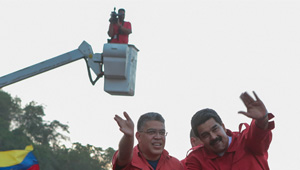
(22, 126)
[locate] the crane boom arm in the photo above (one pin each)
(84, 50)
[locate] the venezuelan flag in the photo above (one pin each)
(18, 159)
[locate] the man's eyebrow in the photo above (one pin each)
(155, 129)
(214, 126)
(151, 129)
(203, 133)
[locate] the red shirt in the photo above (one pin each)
(247, 151)
(138, 162)
(190, 150)
(120, 38)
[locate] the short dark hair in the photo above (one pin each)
(148, 117)
(202, 116)
(121, 9)
(192, 134)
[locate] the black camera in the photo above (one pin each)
(114, 16)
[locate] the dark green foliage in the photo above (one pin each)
(9, 108)
(20, 127)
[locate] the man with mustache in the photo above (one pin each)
(149, 154)
(226, 150)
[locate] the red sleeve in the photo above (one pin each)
(192, 162)
(183, 163)
(127, 25)
(114, 160)
(258, 140)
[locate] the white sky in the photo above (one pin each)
(193, 54)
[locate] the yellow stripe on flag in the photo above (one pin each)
(13, 157)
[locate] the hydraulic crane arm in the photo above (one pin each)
(84, 51)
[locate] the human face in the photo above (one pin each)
(151, 145)
(122, 15)
(213, 136)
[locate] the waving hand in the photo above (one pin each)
(255, 109)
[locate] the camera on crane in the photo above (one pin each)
(114, 16)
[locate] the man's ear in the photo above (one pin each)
(137, 135)
(192, 141)
(223, 126)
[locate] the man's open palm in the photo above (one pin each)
(126, 126)
(255, 108)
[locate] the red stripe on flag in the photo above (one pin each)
(34, 167)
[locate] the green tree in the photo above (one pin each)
(10, 108)
(23, 126)
(41, 132)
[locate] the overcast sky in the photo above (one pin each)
(193, 54)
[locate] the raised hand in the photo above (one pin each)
(126, 126)
(255, 108)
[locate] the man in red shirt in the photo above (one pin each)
(118, 28)
(149, 154)
(226, 150)
(195, 142)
